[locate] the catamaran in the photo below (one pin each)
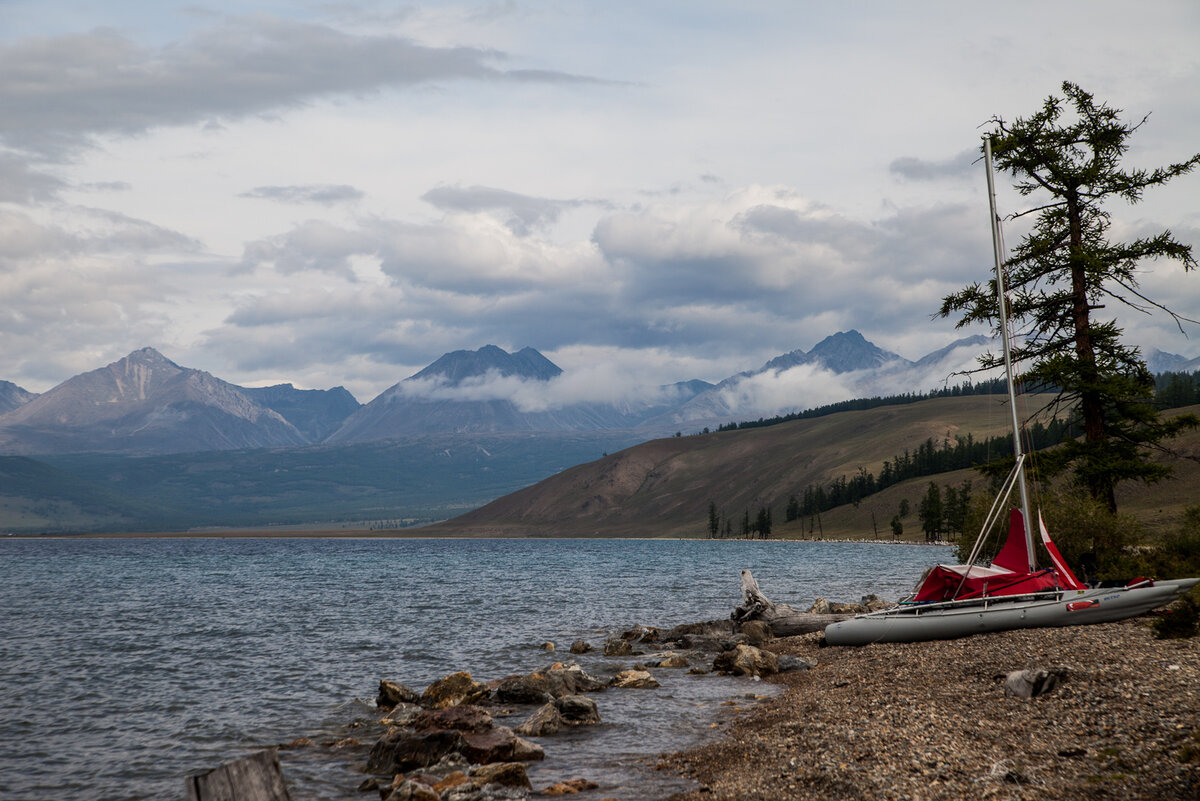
(1012, 593)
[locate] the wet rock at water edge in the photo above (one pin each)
(453, 690)
(617, 647)
(533, 688)
(401, 715)
(746, 660)
(464, 718)
(413, 791)
(670, 661)
(641, 633)
(580, 647)
(570, 787)
(634, 679)
(553, 717)
(392, 693)
(505, 774)
(400, 751)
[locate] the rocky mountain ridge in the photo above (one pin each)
(147, 404)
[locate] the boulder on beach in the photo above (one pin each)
(577, 710)
(820, 607)
(746, 660)
(465, 717)
(641, 633)
(1033, 682)
(532, 688)
(580, 647)
(670, 661)
(453, 690)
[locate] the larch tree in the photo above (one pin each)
(1066, 269)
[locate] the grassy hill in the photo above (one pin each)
(663, 488)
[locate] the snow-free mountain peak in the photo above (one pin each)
(459, 365)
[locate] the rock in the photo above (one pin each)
(580, 647)
(450, 780)
(581, 681)
(634, 679)
(392, 693)
(533, 688)
(525, 751)
(697, 671)
(820, 607)
(847, 609)
(788, 662)
(402, 714)
(450, 763)
(641, 634)
(746, 660)
(756, 632)
(400, 751)
(617, 647)
(547, 646)
(577, 710)
(414, 791)
(1032, 683)
(497, 744)
(545, 720)
(671, 661)
(368, 785)
(506, 774)
(466, 718)
(570, 787)
(457, 688)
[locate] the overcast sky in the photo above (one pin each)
(338, 193)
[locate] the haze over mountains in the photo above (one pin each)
(147, 404)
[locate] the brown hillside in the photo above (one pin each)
(663, 488)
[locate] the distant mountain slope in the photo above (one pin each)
(144, 403)
(12, 396)
(316, 413)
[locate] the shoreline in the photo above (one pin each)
(931, 721)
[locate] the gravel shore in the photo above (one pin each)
(932, 721)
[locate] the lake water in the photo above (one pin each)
(127, 664)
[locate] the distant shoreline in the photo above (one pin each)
(395, 534)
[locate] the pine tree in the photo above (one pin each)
(1065, 269)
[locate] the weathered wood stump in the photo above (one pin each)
(784, 620)
(257, 777)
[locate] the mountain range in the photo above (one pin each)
(147, 404)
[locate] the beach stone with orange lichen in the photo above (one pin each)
(505, 774)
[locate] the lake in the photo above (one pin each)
(128, 663)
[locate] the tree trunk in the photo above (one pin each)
(784, 620)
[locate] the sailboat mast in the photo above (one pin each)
(997, 251)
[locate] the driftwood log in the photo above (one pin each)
(257, 777)
(784, 620)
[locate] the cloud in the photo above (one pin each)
(20, 183)
(960, 167)
(326, 194)
(59, 91)
(523, 214)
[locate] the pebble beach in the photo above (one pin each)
(932, 721)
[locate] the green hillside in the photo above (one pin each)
(664, 488)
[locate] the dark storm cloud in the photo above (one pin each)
(57, 91)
